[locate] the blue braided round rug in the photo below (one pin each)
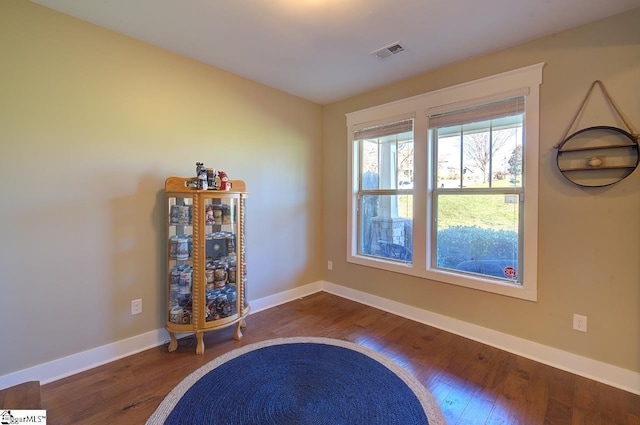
(299, 381)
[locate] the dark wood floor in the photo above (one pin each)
(473, 383)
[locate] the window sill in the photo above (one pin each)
(489, 285)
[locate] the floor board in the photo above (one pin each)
(472, 382)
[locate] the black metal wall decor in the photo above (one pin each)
(600, 155)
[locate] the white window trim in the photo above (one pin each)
(523, 81)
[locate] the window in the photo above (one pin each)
(385, 202)
(476, 201)
(444, 185)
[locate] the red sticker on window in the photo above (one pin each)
(510, 272)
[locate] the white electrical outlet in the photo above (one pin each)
(136, 306)
(330, 265)
(580, 323)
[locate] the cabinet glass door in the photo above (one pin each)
(180, 260)
(221, 258)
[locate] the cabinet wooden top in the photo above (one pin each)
(187, 184)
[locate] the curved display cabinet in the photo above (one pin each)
(206, 260)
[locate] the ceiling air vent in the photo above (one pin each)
(389, 50)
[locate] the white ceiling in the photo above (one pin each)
(320, 50)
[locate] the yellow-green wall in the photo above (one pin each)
(589, 239)
(91, 124)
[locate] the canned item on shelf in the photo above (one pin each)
(219, 274)
(184, 300)
(232, 294)
(220, 270)
(173, 246)
(232, 270)
(174, 295)
(176, 314)
(185, 281)
(182, 248)
(209, 275)
(218, 305)
(175, 276)
(175, 214)
(231, 242)
(181, 214)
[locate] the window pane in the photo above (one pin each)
(513, 159)
(387, 162)
(480, 154)
(369, 165)
(476, 157)
(478, 234)
(385, 226)
(405, 165)
(449, 159)
(386, 156)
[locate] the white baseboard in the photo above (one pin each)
(598, 371)
(284, 297)
(76, 363)
(79, 362)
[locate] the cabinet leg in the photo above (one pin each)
(237, 335)
(173, 345)
(199, 343)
